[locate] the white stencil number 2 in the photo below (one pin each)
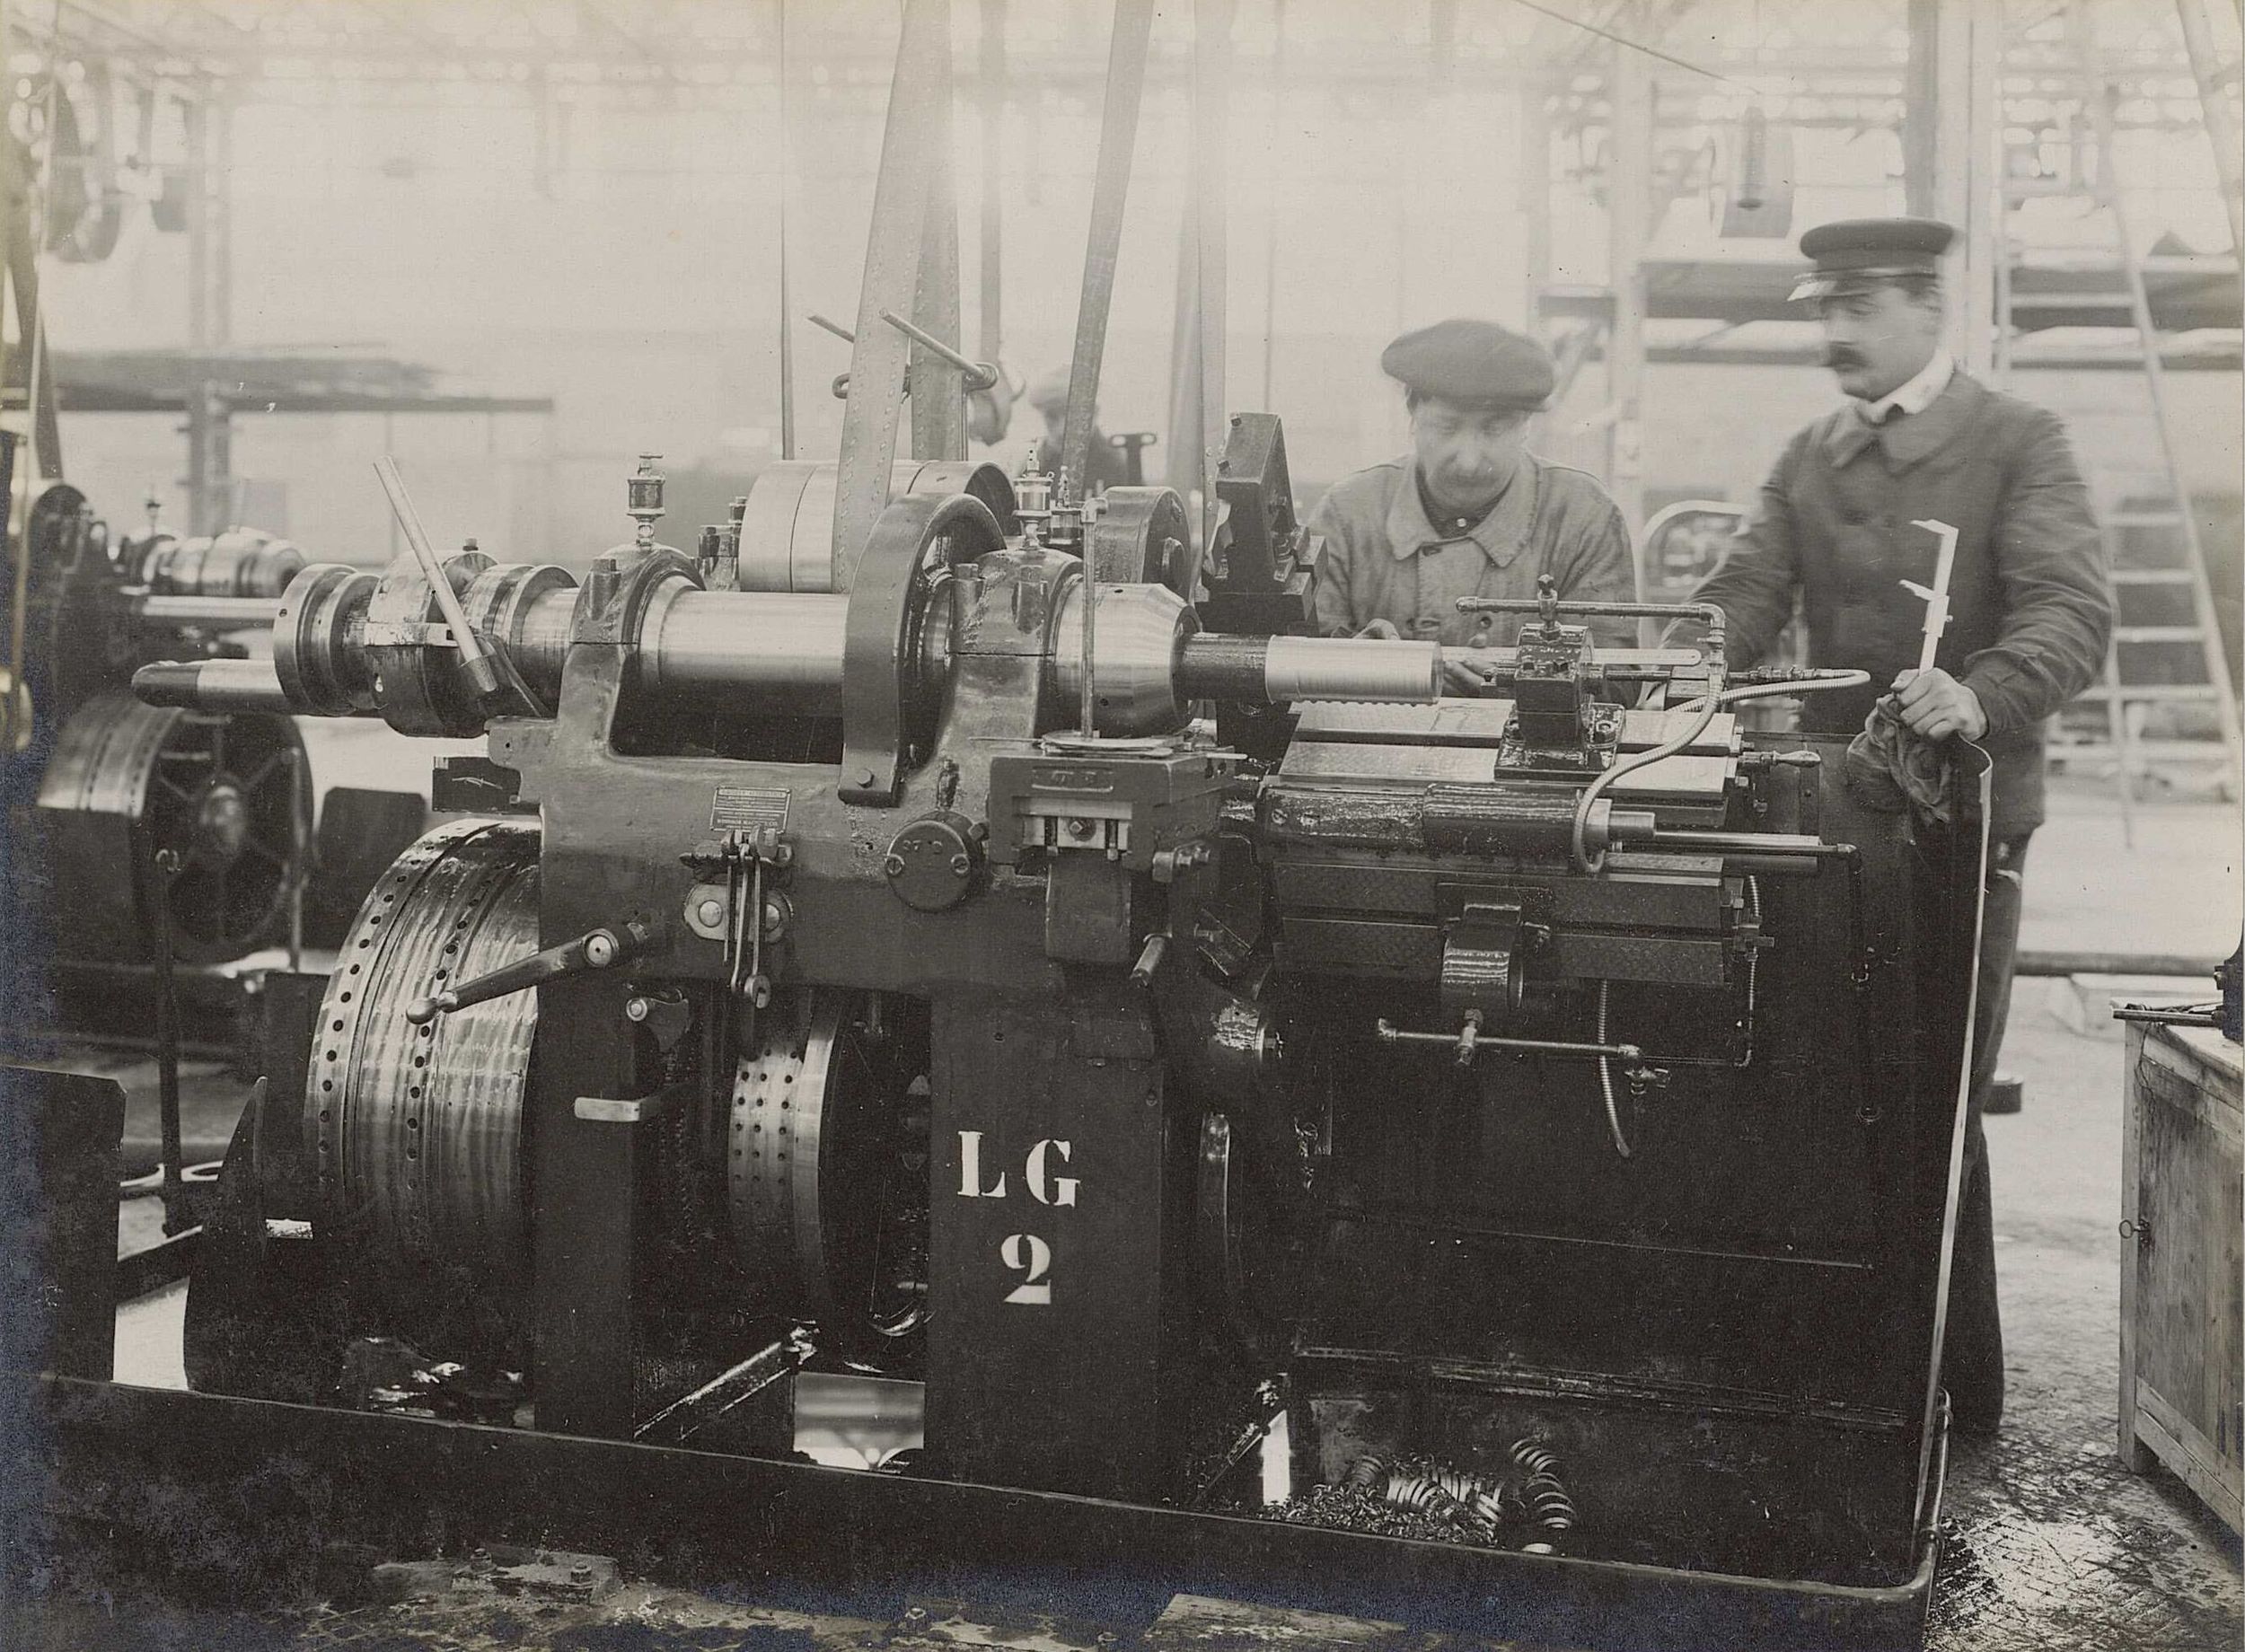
(1032, 1257)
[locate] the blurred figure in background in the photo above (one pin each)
(1049, 396)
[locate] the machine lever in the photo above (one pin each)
(1149, 959)
(490, 674)
(1469, 1039)
(596, 949)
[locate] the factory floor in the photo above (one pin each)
(2050, 1545)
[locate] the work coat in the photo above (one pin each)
(1383, 559)
(2029, 610)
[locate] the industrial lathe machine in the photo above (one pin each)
(1014, 956)
(104, 789)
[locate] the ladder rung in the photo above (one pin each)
(2178, 692)
(2070, 301)
(2151, 577)
(2158, 634)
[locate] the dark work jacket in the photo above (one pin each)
(2029, 610)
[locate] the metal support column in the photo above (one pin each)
(1629, 208)
(893, 252)
(1967, 51)
(1211, 107)
(1534, 201)
(210, 310)
(993, 205)
(1110, 190)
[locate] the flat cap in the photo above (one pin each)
(1472, 361)
(1049, 390)
(1859, 251)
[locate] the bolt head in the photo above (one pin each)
(711, 913)
(894, 865)
(599, 950)
(635, 1009)
(960, 865)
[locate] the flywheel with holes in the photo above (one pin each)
(418, 1131)
(228, 794)
(827, 1157)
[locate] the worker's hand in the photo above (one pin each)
(1382, 630)
(1463, 675)
(1936, 705)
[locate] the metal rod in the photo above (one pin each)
(2114, 963)
(216, 613)
(678, 1421)
(475, 660)
(300, 806)
(786, 305)
(833, 327)
(1390, 1033)
(162, 865)
(979, 375)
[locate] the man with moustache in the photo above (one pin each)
(2029, 614)
(1468, 511)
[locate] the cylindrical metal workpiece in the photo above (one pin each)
(212, 685)
(771, 650)
(239, 562)
(221, 613)
(1474, 820)
(1310, 668)
(786, 530)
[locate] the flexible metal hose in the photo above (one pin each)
(1605, 1079)
(1706, 706)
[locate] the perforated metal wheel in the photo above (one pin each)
(418, 1130)
(826, 1171)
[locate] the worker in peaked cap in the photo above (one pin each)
(1839, 527)
(1469, 510)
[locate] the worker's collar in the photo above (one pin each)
(1915, 437)
(1499, 534)
(1914, 394)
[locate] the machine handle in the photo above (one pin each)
(596, 949)
(490, 675)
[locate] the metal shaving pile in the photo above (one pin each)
(1356, 1509)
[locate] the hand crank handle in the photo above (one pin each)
(596, 949)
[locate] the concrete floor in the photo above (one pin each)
(2049, 1543)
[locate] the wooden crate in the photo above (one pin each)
(2182, 1331)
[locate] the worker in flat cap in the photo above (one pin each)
(1469, 510)
(1104, 461)
(1836, 530)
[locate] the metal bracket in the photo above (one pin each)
(740, 859)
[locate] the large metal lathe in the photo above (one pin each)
(1135, 1021)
